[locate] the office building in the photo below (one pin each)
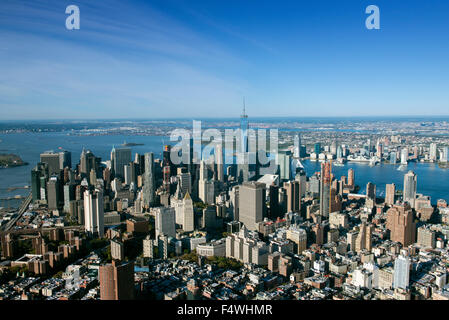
(120, 157)
(252, 206)
(53, 193)
(284, 161)
(52, 159)
(88, 161)
(293, 196)
(165, 222)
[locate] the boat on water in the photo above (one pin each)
(358, 159)
(131, 144)
(338, 164)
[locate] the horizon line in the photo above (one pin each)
(229, 117)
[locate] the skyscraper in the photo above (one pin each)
(94, 212)
(409, 194)
(293, 196)
(351, 178)
(364, 238)
(38, 174)
(390, 191)
(148, 193)
(88, 162)
(243, 156)
(185, 182)
(393, 157)
(206, 187)
(297, 141)
(433, 152)
(334, 200)
(52, 160)
(404, 155)
(165, 222)
(284, 160)
(274, 210)
(252, 206)
(371, 191)
(53, 193)
(325, 185)
(116, 281)
(401, 224)
(119, 158)
(444, 155)
(244, 125)
(65, 159)
(188, 213)
(219, 162)
(317, 148)
(401, 272)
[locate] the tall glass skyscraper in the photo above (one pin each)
(244, 130)
(119, 158)
(243, 165)
(148, 192)
(401, 272)
(409, 193)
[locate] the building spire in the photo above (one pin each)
(244, 109)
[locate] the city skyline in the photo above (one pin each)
(143, 58)
(234, 152)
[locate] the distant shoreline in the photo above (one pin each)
(11, 161)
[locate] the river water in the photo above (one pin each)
(432, 180)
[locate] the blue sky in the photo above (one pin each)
(164, 58)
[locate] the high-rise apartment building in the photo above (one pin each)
(401, 224)
(371, 191)
(401, 278)
(325, 185)
(433, 152)
(94, 212)
(390, 192)
(116, 281)
(409, 193)
(351, 178)
(426, 237)
(148, 194)
(117, 250)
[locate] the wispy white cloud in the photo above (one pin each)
(122, 61)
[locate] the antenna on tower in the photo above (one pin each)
(244, 109)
